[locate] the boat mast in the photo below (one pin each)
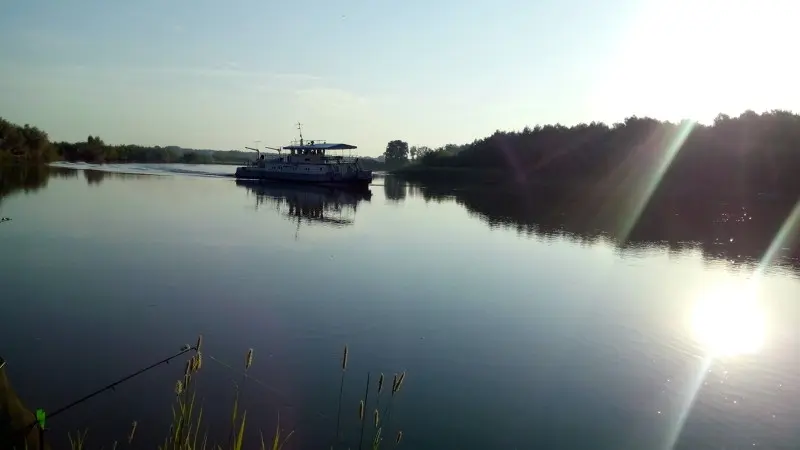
(300, 129)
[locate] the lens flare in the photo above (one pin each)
(729, 323)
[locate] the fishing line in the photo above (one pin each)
(41, 416)
(263, 384)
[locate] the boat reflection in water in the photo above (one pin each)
(312, 204)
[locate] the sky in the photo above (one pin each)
(222, 75)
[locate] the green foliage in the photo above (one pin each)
(396, 153)
(23, 144)
(26, 144)
(759, 151)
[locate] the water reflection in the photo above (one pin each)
(729, 322)
(309, 204)
(94, 177)
(25, 178)
(739, 233)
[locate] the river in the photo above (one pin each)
(517, 329)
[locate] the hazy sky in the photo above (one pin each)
(222, 74)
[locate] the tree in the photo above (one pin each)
(413, 152)
(421, 152)
(396, 152)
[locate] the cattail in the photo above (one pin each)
(376, 418)
(399, 437)
(380, 383)
(361, 410)
(344, 359)
(199, 343)
(133, 431)
(196, 362)
(248, 360)
(399, 383)
(179, 387)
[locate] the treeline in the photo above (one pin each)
(94, 150)
(24, 143)
(27, 144)
(750, 154)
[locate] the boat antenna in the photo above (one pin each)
(300, 129)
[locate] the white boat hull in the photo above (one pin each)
(306, 173)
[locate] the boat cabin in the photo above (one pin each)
(314, 153)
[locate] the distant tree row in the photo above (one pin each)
(398, 153)
(96, 151)
(24, 142)
(30, 144)
(752, 153)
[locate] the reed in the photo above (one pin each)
(361, 413)
(397, 383)
(341, 391)
(248, 361)
(187, 429)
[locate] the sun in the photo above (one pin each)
(729, 322)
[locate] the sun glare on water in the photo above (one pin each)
(729, 323)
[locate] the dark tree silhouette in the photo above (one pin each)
(747, 155)
(23, 143)
(396, 153)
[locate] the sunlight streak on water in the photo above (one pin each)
(729, 323)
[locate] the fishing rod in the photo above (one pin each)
(40, 414)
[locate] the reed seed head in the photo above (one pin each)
(133, 431)
(399, 383)
(179, 387)
(376, 418)
(361, 409)
(394, 383)
(248, 361)
(189, 365)
(199, 345)
(380, 383)
(344, 359)
(198, 361)
(399, 437)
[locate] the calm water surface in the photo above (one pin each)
(516, 331)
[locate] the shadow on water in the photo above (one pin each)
(739, 232)
(309, 204)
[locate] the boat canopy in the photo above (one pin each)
(320, 147)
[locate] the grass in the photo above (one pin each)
(188, 431)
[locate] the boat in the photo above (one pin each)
(308, 162)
